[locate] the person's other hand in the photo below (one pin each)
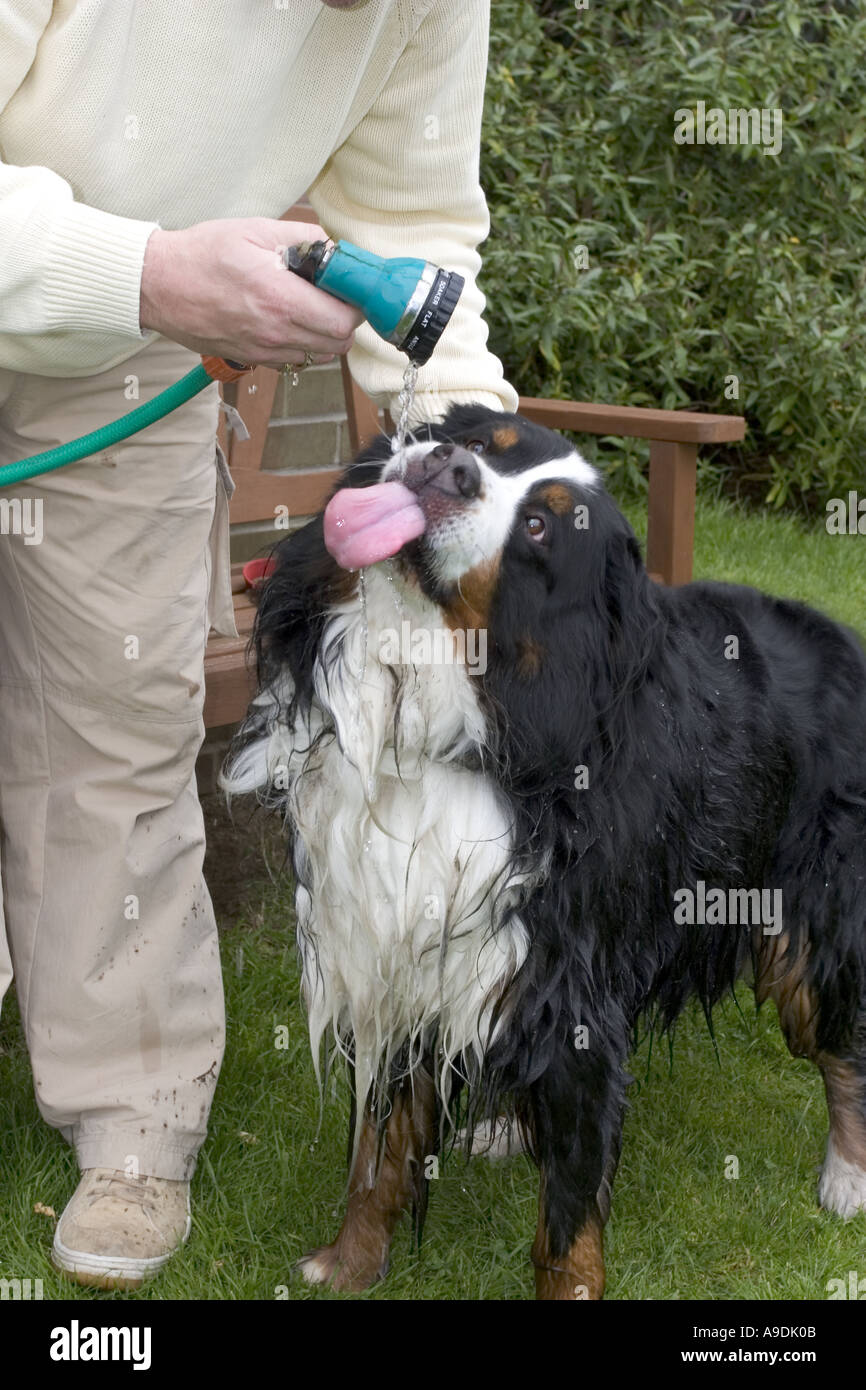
(221, 288)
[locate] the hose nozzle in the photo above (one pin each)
(407, 301)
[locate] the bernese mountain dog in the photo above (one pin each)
(532, 797)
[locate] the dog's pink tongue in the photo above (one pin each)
(367, 524)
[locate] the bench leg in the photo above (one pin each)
(671, 525)
(361, 413)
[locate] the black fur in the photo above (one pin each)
(740, 773)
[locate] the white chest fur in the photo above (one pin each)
(406, 896)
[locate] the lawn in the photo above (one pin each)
(270, 1180)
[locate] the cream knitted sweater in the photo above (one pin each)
(118, 116)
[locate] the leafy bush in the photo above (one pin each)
(704, 261)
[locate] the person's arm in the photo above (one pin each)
(406, 182)
(63, 265)
(218, 287)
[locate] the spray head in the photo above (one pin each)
(407, 301)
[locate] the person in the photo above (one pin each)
(148, 153)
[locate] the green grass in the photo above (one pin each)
(271, 1176)
(777, 552)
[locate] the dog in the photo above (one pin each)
(504, 860)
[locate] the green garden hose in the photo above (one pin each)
(103, 438)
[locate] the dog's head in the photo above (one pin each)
(522, 541)
(497, 492)
(519, 531)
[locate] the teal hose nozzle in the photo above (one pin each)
(407, 301)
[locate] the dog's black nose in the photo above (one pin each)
(452, 469)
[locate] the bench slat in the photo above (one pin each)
(258, 495)
(229, 686)
(634, 422)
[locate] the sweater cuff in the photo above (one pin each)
(93, 263)
(433, 405)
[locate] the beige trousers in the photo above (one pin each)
(109, 572)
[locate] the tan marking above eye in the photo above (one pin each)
(505, 437)
(558, 499)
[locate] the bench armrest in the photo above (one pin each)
(633, 422)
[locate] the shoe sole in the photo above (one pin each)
(109, 1271)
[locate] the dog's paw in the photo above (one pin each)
(842, 1188)
(331, 1265)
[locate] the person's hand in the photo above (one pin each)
(221, 288)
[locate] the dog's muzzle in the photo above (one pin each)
(448, 468)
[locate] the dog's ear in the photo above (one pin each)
(568, 651)
(629, 607)
(292, 610)
(469, 416)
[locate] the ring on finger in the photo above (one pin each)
(295, 367)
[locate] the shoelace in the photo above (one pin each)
(137, 1190)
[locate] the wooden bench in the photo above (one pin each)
(674, 437)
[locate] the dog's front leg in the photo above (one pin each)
(386, 1179)
(576, 1120)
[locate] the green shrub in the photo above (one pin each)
(705, 261)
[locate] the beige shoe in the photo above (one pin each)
(117, 1230)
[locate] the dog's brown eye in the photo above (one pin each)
(476, 446)
(536, 527)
